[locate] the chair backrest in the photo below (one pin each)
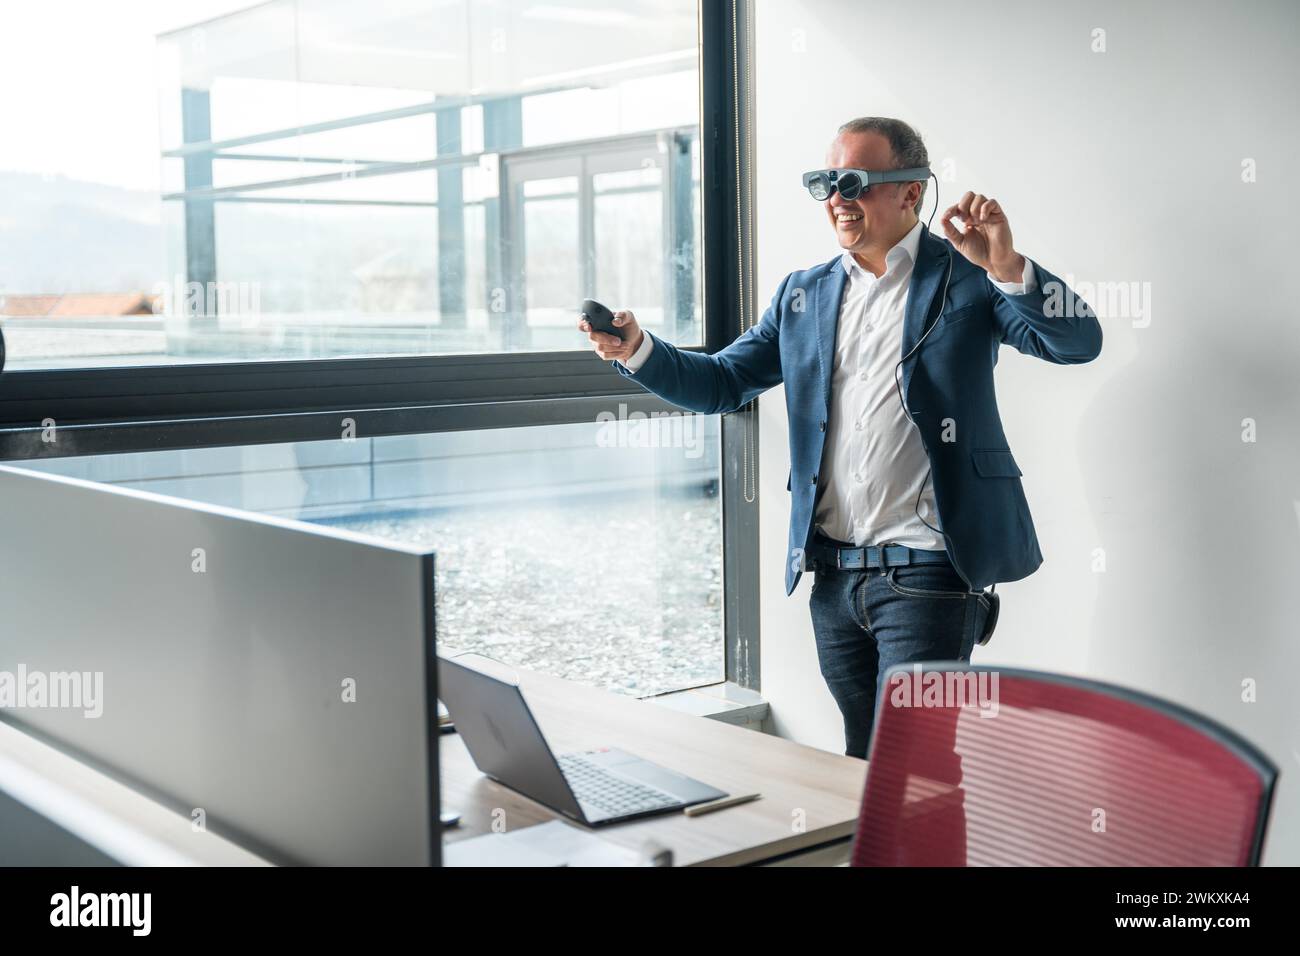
(985, 766)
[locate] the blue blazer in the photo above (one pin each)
(982, 508)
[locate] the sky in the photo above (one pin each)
(82, 80)
(77, 73)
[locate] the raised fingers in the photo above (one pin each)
(963, 206)
(946, 221)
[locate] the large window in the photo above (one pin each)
(326, 178)
(228, 228)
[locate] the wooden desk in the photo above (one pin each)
(810, 797)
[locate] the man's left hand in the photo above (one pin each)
(986, 239)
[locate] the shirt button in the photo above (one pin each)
(814, 479)
(858, 426)
(821, 426)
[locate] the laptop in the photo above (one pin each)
(595, 788)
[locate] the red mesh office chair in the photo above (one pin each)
(1065, 772)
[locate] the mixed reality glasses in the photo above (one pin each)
(852, 183)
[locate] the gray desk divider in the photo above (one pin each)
(274, 680)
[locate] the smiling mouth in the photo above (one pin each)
(848, 218)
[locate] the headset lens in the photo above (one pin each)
(850, 186)
(819, 187)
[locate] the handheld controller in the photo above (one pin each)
(600, 318)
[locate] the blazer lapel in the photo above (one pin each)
(830, 292)
(927, 276)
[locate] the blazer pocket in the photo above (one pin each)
(948, 320)
(965, 312)
(995, 463)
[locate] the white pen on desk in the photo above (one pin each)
(701, 808)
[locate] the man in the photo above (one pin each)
(907, 501)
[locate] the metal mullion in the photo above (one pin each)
(326, 126)
(556, 150)
(70, 396)
(723, 288)
(365, 172)
(304, 201)
(492, 372)
(279, 158)
(323, 425)
(364, 119)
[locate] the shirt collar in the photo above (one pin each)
(907, 246)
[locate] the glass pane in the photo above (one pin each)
(321, 178)
(629, 251)
(590, 551)
(552, 279)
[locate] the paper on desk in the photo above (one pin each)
(547, 844)
(494, 849)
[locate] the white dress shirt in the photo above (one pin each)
(874, 464)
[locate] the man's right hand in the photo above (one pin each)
(610, 347)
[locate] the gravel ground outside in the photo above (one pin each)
(624, 595)
(627, 599)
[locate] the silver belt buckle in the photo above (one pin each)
(860, 563)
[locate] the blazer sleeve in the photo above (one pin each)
(723, 382)
(1050, 323)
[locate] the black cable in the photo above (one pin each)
(943, 304)
(930, 223)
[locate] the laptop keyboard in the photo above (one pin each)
(613, 795)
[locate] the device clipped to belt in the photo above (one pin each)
(992, 603)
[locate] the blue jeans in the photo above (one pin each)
(865, 622)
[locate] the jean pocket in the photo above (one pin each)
(926, 581)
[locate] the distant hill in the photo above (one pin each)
(60, 236)
(64, 235)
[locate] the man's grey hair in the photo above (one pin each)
(905, 143)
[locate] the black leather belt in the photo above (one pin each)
(823, 553)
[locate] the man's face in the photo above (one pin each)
(877, 215)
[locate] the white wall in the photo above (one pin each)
(1122, 166)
